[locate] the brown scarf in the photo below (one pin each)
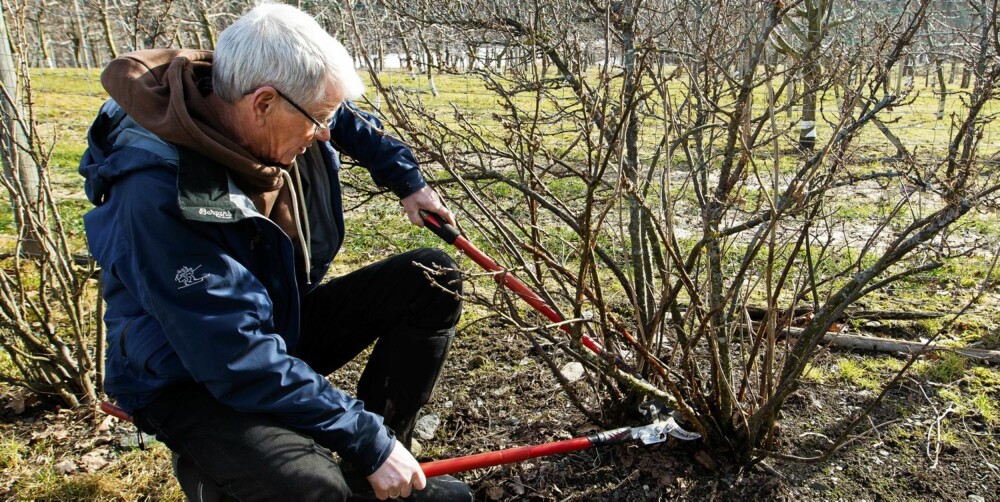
(164, 90)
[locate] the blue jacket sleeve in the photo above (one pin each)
(219, 320)
(361, 136)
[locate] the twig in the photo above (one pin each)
(771, 470)
(934, 429)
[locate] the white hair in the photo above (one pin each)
(279, 45)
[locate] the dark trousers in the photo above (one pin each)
(407, 305)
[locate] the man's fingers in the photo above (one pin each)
(428, 200)
(401, 490)
(415, 218)
(397, 475)
(419, 480)
(442, 212)
(448, 215)
(438, 210)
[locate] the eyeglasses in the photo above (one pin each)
(318, 126)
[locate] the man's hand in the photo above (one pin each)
(428, 200)
(398, 475)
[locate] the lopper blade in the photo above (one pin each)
(659, 414)
(671, 427)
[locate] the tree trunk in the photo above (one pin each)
(812, 71)
(406, 49)
(80, 36)
(94, 55)
(472, 50)
(43, 42)
(640, 269)
(902, 77)
(206, 26)
(942, 89)
(429, 54)
(109, 35)
(909, 71)
(380, 56)
(18, 166)
(807, 127)
(792, 95)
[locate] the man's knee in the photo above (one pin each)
(439, 304)
(440, 268)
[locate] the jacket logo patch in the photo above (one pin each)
(185, 277)
(218, 213)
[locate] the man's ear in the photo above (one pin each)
(263, 102)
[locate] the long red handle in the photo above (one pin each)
(508, 456)
(115, 411)
(451, 235)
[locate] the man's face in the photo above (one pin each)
(288, 130)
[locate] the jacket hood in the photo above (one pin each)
(165, 91)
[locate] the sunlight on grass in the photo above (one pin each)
(869, 373)
(949, 435)
(857, 374)
(46, 484)
(986, 406)
(136, 475)
(950, 367)
(813, 374)
(11, 453)
(914, 123)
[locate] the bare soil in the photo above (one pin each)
(496, 393)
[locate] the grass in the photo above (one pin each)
(977, 391)
(949, 368)
(136, 475)
(914, 123)
(11, 453)
(814, 374)
(986, 406)
(859, 374)
(968, 393)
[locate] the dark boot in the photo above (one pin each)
(443, 488)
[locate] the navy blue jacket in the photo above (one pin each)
(201, 287)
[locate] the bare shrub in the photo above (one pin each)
(48, 313)
(637, 163)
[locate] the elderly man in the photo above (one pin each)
(218, 212)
